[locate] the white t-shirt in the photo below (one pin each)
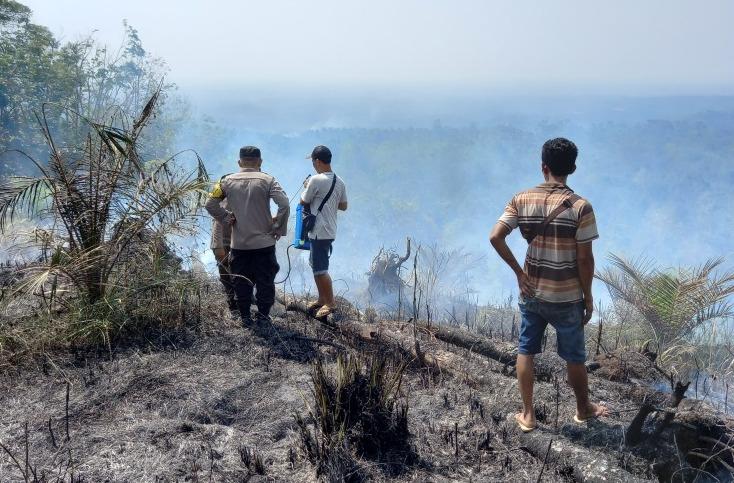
(318, 187)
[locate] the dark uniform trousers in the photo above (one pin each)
(254, 269)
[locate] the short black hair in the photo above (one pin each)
(249, 152)
(322, 153)
(559, 155)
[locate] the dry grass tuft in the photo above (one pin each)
(357, 410)
(252, 460)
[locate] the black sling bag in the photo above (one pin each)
(529, 234)
(309, 219)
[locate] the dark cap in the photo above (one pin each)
(249, 152)
(322, 153)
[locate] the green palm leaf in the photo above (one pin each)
(22, 195)
(673, 302)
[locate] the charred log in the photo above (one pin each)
(366, 337)
(635, 433)
(573, 461)
(504, 353)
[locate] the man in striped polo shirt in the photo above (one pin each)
(555, 283)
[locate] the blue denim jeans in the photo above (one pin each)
(566, 318)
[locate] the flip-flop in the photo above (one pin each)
(313, 306)
(579, 420)
(523, 427)
(324, 311)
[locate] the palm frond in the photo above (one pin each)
(102, 193)
(705, 270)
(22, 195)
(39, 166)
(637, 270)
(673, 302)
(147, 111)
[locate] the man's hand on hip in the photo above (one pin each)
(526, 286)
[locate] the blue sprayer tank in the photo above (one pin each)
(301, 239)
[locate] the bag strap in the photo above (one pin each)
(565, 204)
(328, 195)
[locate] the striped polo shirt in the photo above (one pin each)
(551, 258)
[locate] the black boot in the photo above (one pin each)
(263, 315)
(233, 307)
(244, 313)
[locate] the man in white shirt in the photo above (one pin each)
(325, 184)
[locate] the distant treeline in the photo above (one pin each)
(449, 184)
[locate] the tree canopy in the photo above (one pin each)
(42, 78)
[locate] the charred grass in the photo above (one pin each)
(359, 407)
(293, 402)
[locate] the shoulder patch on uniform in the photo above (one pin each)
(217, 192)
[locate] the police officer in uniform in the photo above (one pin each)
(255, 230)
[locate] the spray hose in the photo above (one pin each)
(287, 251)
(288, 273)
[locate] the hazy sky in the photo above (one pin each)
(622, 45)
(272, 68)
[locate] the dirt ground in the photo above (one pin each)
(195, 407)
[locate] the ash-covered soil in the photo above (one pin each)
(195, 408)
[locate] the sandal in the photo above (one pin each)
(523, 427)
(601, 412)
(579, 420)
(324, 311)
(313, 306)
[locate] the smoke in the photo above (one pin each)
(657, 171)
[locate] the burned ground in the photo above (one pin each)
(220, 406)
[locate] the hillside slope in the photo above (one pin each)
(205, 403)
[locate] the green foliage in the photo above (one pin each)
(37, 73)
(152, 306)
(100, 208)
(674, 303)
(12, 12)
(73, 118)
(30, 73)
